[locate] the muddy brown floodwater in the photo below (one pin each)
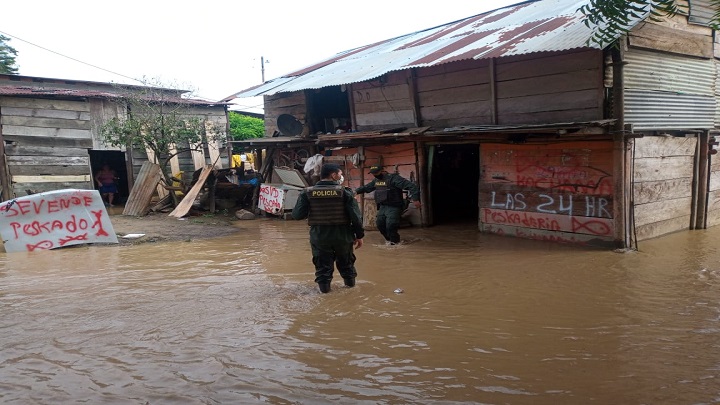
(481, 319)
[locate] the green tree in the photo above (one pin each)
(245, 127)
(610, 18)
(7, 57)
(160, 119)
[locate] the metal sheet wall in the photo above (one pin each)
(669, 92)
(701, 12)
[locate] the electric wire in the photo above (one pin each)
(143, 82)
(69, 57)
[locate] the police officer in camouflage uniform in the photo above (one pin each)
(389, 199)
(335, 226)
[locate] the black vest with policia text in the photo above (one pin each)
(327, 205)
(386, 194)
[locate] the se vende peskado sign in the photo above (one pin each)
(55, 219)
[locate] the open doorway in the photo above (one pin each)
(116, 160)
(330, 110)
(455, 174)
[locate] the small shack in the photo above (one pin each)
(512, 119)
(50, 135)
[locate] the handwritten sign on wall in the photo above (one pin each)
(55, 219)
(270, 199)
(552, 192)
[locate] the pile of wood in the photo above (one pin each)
(147, 187)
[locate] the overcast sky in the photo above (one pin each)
(212, 47)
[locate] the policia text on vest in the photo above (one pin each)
(388, 190)
(335, 228)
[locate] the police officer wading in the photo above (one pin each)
(335, 226)
(389, 199)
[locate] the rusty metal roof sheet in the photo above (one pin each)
(529, 27)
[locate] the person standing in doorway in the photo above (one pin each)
(335, 226)
(389, 199)
(105, 179)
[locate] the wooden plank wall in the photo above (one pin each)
(102, 111)
(673, 35)
(662, 184)
(383, 103)
(210, 154)
(454, 94)
(701, 12)
(568, 88)
(294, 104)
(47, 143)
(713, 205)
(559, 192)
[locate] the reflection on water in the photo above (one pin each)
(481, 319)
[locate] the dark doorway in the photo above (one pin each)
(455, 174)
(330, 110)
(116, 160)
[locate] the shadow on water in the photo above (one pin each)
(480, 319)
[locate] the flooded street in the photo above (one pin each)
(481, 319)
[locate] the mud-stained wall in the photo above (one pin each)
(662, 184)
(556, 192)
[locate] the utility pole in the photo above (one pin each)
(262, 68)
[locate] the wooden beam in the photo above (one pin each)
(703, 181)
(182, 209)
(4, 172)
(413, 94)
(422, 180)
(51, 179)
(493, 93)
(140, 196)
(351, 103)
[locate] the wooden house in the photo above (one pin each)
(514, 120)
(50, 134)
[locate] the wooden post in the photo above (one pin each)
(428, 187)
(493, 93)
(129, 166)
(258, 159)
(361, 164)
(4, 172)
(703, 179)
(622, 231)
(422, 180)
(413, 94)
(694, 185)
(351, 103)
(263, 170)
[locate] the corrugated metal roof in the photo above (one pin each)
(58, 92)
(536, 26)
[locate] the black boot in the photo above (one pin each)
(324, 287)
(349, 282)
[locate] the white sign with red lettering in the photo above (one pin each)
(55, 219)
(271, 199)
